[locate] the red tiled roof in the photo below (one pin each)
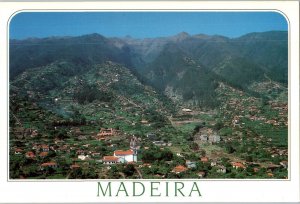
(43, 154)
(44, 146)
(49, 164)
(110, 158)
(204, 159)
(75, 166)
(123, 153)
(30, 154)
(179, 169)
(238, 165)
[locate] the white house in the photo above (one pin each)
(83, 157)
(186, 110)
(214, 138)
(126, 156)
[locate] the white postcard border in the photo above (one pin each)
(211, 190)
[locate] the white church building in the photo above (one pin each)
(126, 156)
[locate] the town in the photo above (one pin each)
(228, 143)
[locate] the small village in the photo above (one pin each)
(212, 152)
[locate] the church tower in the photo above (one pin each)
(133, 147)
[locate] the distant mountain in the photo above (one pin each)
(186, 68)
(239, 62)
(84, 50)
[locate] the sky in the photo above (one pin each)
(143, 24)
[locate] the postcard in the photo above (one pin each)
(150, 101)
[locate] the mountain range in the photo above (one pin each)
(185, 68)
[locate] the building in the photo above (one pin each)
(190, 164)
(110, 160)
(45, 148)
(83, 157)
(43, 154)
(74, 166)
(284, 164)
(127, 156)
(187, 110)
(213, 163)
(179, 169)
(238, 165)
(144, 121)
(214, 138)
(134, 143)
(106, 132)
(18, 151)
(49, 165)
(235, 121)
(221, 169)
(30, 155)
(151, 136)
(201, 174)
(159, 143)
(204, 159)
(203, 138)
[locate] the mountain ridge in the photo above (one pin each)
(170, 64)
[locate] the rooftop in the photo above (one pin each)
(110, 158)
(123, 153)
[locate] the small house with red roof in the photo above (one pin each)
(74, 166)
(110, 160)
(43, 154)
(179, 169)
(204, 159)
(30, 155)
(48, 165)
(238, 165)
(18, 151)
(45, 148)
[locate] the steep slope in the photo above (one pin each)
(268, 49)
(182, 78)
(186, 68)
(55, 87)
(87, 49)
(239, 72)
(200, 62)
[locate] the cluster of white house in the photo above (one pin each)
(121, 157)
(211, 138)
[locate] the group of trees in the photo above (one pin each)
(156, 154)
(89, 93)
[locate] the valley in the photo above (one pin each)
(186, 107)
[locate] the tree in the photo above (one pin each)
(249, 158)
(203, 153)
(129, 170)
(219, 125)
(194, 146)
(229, 149)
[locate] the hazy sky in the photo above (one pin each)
(143, 24)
